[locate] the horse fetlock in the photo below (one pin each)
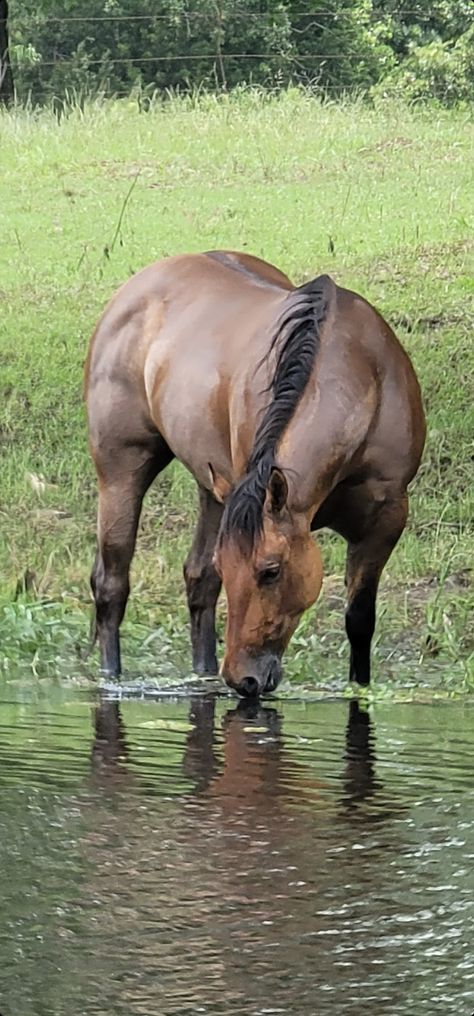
(203, 638)
(205, 665)
(360, 617)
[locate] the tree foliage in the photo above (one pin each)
(420, 47)
(6, 76)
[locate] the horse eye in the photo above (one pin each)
(269, 574)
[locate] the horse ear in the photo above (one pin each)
(277, 492)
(219, 485)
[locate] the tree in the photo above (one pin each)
(60, 46)
(6, 74)
(433, 47)
(337, 44)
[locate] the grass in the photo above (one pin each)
(379, 197)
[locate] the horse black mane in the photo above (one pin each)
(296, 342)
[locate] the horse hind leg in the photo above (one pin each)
(125, 473)
(366, 558)
(203, 585)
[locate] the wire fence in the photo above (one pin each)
(171, 16)
(101, 70)
(290, 57)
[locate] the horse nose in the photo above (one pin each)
(274, 675)
(249, 687)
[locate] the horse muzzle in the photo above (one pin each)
(260, 676)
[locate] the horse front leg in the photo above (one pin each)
(366, 558)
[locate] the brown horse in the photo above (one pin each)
(293, 407)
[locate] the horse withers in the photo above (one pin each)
(295, 408)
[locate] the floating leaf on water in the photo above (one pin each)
(181, 726)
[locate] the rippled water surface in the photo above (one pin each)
(177, 857)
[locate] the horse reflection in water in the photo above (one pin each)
(247, 865)
(253, 767)
(109, 748)
(257, 769)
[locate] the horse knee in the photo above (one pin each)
(202, 585)
(110, 590)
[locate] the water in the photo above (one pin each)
(177, 857)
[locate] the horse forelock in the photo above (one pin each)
(296, 343)
(242, 520)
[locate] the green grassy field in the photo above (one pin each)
(382, 199)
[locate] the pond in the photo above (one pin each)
(196, 856)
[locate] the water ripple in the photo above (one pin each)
(192, 856)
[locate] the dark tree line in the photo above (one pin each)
(6, 75)
(419, 47)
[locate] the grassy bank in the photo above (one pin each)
(380, 198)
